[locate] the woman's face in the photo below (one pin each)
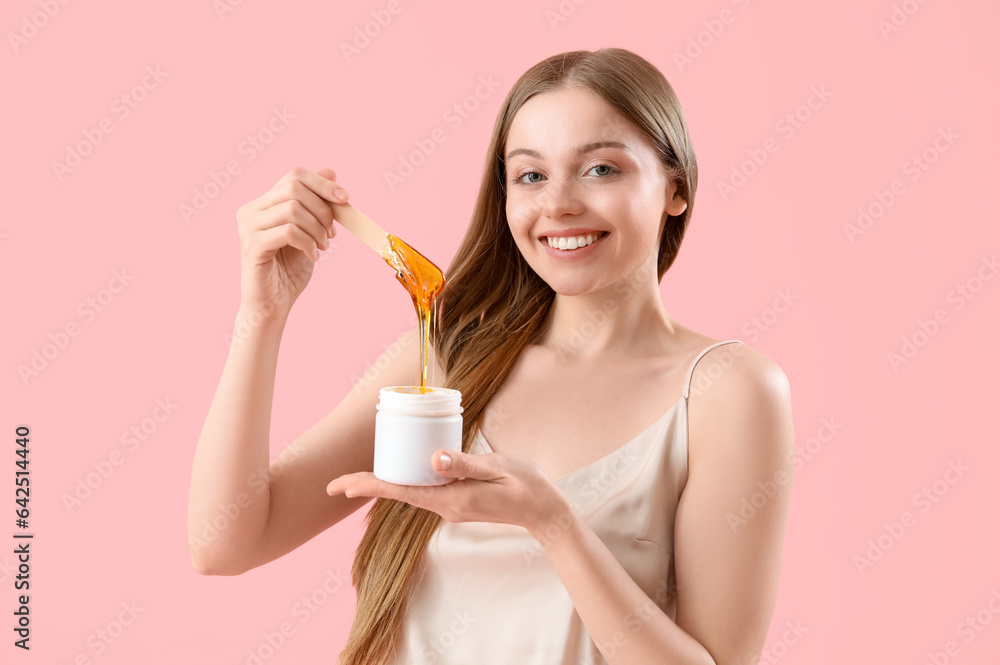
(575, 167)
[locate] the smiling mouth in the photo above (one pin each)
(573, 242)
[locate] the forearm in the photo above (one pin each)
(229, 496)
(624, 623)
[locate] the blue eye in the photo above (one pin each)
(534, 177)
(610, 169)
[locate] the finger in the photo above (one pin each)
(325, 188)
(297, 190)
(464, 465)
(272, 239)
(337, 485)
(366, 484)
(294, 213)
(339, 191)
(286, 190)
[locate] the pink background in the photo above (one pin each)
(886, 97)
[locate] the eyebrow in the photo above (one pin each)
(583, 149)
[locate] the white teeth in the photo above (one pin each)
(572, 242)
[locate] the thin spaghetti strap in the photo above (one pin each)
(687, 381)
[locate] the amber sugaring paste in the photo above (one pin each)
(424, 281)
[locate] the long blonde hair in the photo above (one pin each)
(494, 304)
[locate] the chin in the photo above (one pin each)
(568, 288)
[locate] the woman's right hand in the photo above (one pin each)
(280, 235)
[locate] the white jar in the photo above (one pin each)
(409, 427)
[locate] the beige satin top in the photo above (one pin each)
(488, 593)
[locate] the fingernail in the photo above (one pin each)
(444, 460)
(340, 193)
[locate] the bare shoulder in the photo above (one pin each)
(736, 388)
(734, 368)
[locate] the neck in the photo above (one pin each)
(624, 319)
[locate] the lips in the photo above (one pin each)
(568, 254)
(566, 233)
(565, 241)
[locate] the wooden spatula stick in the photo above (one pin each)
(358, 223)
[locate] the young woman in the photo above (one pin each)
(625, 480)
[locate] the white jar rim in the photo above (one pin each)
(408, 400)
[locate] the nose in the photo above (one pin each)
(560, 197)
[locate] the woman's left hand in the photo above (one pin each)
(492, 487)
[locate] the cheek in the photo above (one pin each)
(636, 216)
(519, 213)
(631, 209)
(515, 222)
